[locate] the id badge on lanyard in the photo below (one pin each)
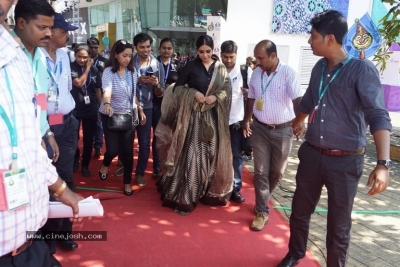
(259, 104)
(260, 101)
(86, 97)
(52, 94)
(13, 189)
(13, 181)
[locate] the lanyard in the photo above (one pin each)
(86, 85)
(128, 84)
(55, 83)
(167, 71)
(34, 72)
(11, 126)
(321, 92)
(144, 71)
(53, 74)
(263, 89)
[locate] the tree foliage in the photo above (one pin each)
(389, 27)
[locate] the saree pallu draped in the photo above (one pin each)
(194, 170)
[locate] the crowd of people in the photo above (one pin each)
(204, 114)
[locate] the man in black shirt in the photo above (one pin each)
(171, 67)
(99, 63)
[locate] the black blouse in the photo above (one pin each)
(172, 70)
(195, 75)
(93, 82)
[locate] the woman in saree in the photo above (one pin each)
(193, 134)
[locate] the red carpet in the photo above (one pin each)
(140, 232)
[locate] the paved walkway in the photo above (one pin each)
(375, 238)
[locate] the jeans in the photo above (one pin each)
(89, 125)
(119, 143)
(143, 134)
(237, 160)
(156, 118)
(98, 135)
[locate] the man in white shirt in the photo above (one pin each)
(228, 56)
(62, 123)
(247, 70)
(17, 100)
(274, 96)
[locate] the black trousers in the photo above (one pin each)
(37, 255)
(119, 143)
(340, 175)
(89, 126)
(66, 136)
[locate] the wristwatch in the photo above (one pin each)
(387, 163)
(158, 86)
(49, 133)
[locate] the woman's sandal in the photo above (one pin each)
(128, 193)
(103, 176)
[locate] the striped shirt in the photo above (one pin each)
(64, 82)
(121, 90)
(278, 97)
(40, 172)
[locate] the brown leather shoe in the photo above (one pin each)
(259, 222)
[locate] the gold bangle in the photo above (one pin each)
(60, 189)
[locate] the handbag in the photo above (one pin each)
(121, 122)
(206, 132)
(124, 121)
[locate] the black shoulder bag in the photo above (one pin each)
(124, 121)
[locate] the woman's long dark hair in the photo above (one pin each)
(208, 41)
(204, 40)
(118, 48)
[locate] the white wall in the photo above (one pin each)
(250, 22)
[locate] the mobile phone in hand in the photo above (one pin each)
(149, 73)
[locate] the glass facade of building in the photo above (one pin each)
(181, 20)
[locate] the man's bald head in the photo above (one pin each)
(266, 56)
(268, 46)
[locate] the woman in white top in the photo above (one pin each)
(119, 87)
